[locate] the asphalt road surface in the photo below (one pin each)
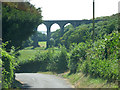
(37, 80)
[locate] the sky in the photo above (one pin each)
(73, 10)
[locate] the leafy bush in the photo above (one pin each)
(99, 59)
(78, 54)
(53, 60)
(0, 72)
(47, 61)
(62, 60)
(102, 58)
(19, 21)
(84, 32)
(57, 60)
(38, 63)
(8, 64)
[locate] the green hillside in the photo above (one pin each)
(98, 59)
(83, 32)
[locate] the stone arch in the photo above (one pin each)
(62, 23)
(75, 24)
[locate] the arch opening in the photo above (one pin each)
(41, 36)
(68, 24)
(54, 27)
(67, 27)
(42, 28)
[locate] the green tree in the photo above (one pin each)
(19, 22)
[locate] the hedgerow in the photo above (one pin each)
(48, 61)
(77, 54)
(103, 58)
(8, 67)
(0, 73)
(99, 60)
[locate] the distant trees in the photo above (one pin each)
(84, 32)
(98, 59)
(52, 42)
(56, 36)
(41, 37)
(34, 39)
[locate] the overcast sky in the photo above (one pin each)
(74, 9)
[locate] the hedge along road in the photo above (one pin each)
(37, 80)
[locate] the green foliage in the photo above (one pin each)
(34, 39)
(52, 42)
(102, 58)
(18, 22)
(84, 32)
(52, 62)
(41, 37)
(62, 60)
(48, 61)
(8, 67)
(99, 59)
(81, 34)
(56, 36)
(27, 43)
(42, 44)
(77, 54)
(0, 71)
(38, 63)
(55, 61)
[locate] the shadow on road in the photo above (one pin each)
(18, 84)
(25, 86)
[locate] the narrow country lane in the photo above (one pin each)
(37, 80)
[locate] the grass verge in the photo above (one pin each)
(42, 44)
(80, 80)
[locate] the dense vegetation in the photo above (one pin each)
(77, 52)
(34, 39)
(8, 66)
(98, 59)
(49, 60)
(83, 32)
(18, 23)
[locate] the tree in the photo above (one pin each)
(18, 22)
(84, 32)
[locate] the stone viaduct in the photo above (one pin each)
(62, 23)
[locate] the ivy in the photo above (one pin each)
(8, 62)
